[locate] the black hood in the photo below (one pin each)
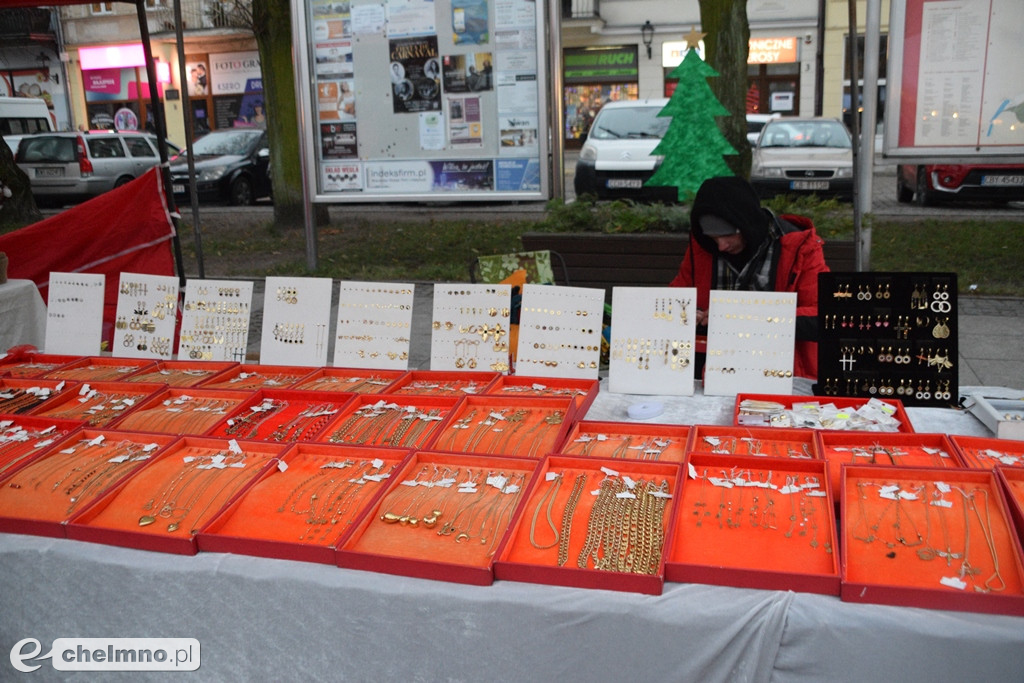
(732, 199)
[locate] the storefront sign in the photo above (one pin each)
(759, 51)
(601, 64)
(235, 73)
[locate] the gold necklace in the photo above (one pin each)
(549, 495)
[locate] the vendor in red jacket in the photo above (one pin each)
(737, 244)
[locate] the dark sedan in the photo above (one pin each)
(231, 167)
(929, 185)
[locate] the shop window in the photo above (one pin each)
(101, 8)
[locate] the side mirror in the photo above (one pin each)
(264, 153)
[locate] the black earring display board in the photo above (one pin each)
(888, 335)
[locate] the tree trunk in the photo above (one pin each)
(272, 27)
(20, 208)
(726, 44)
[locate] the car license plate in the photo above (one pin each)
(178, 189)
(625, 183)
(809, 185)
(49, 172)
(1002, 180)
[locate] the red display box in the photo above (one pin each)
(985, 452)
(889, 450)
(166, 503)
(627, 440)
(100, 369)
(19, 396)
(282, 415)
(98, 404)
(934, 538)
(305, 506)
(773, 442)
(1012, 479)
(25, 437)
(525, 427)
(755, 522)
(392, 421)
(437, 383)
(354, 380)
(67, 476)
(175, 410)
(183, 373)
(583, 391)
(442, 529)
(249, 377)
(894, 408)
(558, 537)
(29, 365)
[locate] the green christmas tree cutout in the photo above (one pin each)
(693, 144)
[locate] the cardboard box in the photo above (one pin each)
(628, 440)
(755, 522)
(1004, 416)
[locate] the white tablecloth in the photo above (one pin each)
(22, 315)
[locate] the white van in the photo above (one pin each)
(23, 116)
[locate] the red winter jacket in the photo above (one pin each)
(798, 262)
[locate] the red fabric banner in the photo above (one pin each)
(126, 229)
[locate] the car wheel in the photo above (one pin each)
(924, 196)
(241, 192)
(123, 180)
(904, 194)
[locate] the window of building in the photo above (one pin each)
(101, 8)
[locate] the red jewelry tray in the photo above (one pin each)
(627, 441)
(837, 449)
(774, 442)
(755, 536)
(183, 373)
(346, 429)
(449, 547)
(89, 404)
(38, 499)
(237, 425)
(983, 452)
(899, 412)
(272, 519)
(886, 570)
(520, 560)
(438, 383)
(249, 377)
(1012, 479)
(27, 365)
(354, 380)
(474, 428)
(154, 415)
(17, 384)
(583, 391)
(117, 517)
(100, 369)
(15, 453)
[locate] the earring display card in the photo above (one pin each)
(750, 343)
(146, 309)
(470, 327)
(296, 321)
(374, 323)
(74, 313)
(888, 334)
(560, 332)
(653, 333)
(215, 322)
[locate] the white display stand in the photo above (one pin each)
(374, 325)
(74, 317)
(215, 322)
(470, 327)
(146, 309)
(560, 332)
(296, 321)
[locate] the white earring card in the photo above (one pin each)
(751, 336)
(560, 332)
(215, 320)
(296, 321)
(74, 313)
(146, 309)
(374, 324)
(652, 340)
(470, 326)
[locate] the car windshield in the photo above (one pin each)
(805, 134)
(629, 123)
(227, 142)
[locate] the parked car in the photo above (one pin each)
(616, 159)
(71, 167)
(932, 184)
(21, 116)
(232, 166)
(803, 156)
(755, 122)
